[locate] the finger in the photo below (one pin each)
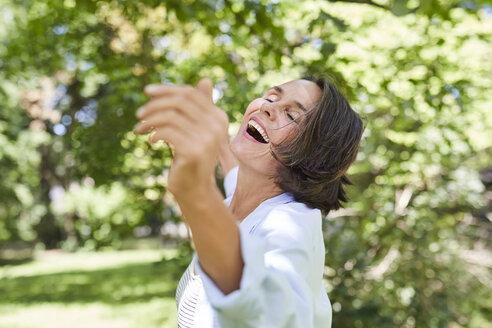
(139, 129)
(171, 134)
(206, 86)
(174, 102)
(155, 90)
(163, 118)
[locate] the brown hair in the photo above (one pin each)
(315, 161)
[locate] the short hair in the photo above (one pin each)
(315, 161)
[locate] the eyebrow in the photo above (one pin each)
(298, 104)
(278, 89)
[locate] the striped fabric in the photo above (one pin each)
(189, 289)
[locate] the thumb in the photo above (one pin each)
(206, 86)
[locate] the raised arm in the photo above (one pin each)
(187, 118)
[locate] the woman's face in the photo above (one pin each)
(273, 118)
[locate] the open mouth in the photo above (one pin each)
(257, 132)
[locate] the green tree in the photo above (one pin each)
(400, 254)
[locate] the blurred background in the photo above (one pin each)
(88, 235)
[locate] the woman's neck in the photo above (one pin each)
(251, 190)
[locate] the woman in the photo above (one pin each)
(259, 254)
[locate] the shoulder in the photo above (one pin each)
(291, 221)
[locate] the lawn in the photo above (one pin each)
(120, 289)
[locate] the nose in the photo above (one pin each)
(268, 110)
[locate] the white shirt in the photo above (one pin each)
(281, 285)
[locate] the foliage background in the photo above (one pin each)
(411, 248)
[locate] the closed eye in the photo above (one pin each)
(291, 117)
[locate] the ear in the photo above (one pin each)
(206, 86)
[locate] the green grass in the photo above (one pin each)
(109, 289)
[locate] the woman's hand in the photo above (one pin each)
(187, 118)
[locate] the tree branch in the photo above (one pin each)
(365, 2)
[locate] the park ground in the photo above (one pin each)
(123, 289)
